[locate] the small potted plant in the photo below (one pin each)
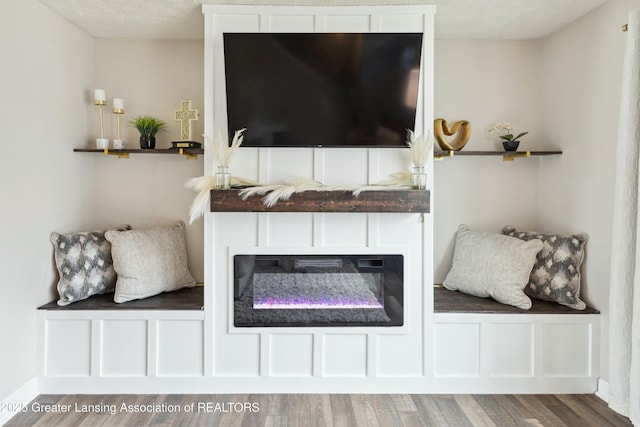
(148, 127)
(510, 142)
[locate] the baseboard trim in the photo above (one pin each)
(603, 391)
(18, 400)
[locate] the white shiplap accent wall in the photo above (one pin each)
(332, 357)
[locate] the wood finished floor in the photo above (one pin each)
(319, 410)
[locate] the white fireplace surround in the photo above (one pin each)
(327, 355)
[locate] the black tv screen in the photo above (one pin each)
(322, 89)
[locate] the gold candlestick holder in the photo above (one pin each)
(101, 142)
(118, 143)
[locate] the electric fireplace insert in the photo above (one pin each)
(318, 290)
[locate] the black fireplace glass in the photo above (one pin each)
(318, 290)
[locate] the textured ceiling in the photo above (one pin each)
(182, 19)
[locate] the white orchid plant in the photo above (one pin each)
(508, 130)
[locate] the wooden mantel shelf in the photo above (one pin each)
(408, 201)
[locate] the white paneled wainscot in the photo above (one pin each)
(115, 351)
(516, 353)
(203, 351)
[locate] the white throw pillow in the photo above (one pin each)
(492, 265)
(149, 262)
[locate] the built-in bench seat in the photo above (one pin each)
(96, 345)
(446, 301)
(183, 299)
(483, 346)
(477, 345)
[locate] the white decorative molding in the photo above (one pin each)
(18, 401)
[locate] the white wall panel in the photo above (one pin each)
(508, 349)
(456, 349)
(68, 348)
(291, 355)
(399, 355)
(347, 23)
(345, 229)
(237, 355)
(566, 349)
(344, 166)
(180, 348)
(238, 23)
(290, 229)
(245, 163)
(402, 23)
(292, 23)
(240, 228)
(399, 229)
(288, 163)
(387, 161)
(129, 337)
(344, 355)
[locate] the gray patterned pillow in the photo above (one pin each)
(556, 273)
(84, 265)
(149, 262)
(492, 265)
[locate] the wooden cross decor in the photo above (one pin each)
(185, 115)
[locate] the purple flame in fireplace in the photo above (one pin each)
(302, 302)
(314, 291)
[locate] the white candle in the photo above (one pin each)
(99, 95)
(118, 104)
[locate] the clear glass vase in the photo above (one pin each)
(418, 178)
(223, 178)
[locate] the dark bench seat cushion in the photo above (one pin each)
(446, 301)
(183, 299)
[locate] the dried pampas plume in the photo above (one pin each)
(204, 184)
(222, 151)
(274, 192)
(421, 147)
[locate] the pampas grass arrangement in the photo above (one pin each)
(273, 193)
(421, 148)
(222, 151)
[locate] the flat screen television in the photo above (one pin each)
(322, 89)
